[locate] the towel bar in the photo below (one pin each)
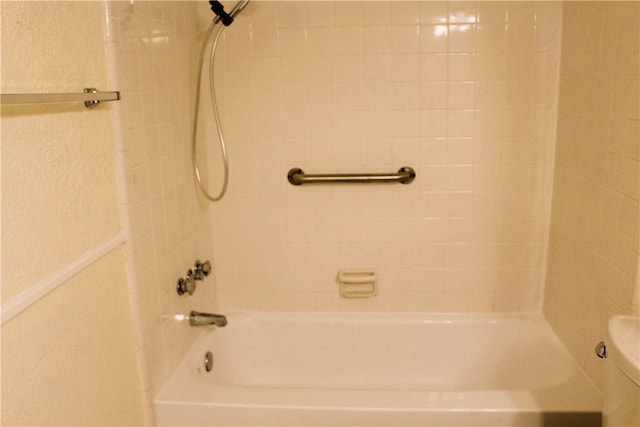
(91, 97)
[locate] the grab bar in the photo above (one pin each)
(90, 96)
(405, 175)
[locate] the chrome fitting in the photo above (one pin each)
(199, 272)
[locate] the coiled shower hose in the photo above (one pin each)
(216, 115)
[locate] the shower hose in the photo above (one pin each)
(216, 115)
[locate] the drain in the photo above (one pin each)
(208, 361)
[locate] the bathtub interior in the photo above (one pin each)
(388, 351)
(350, 369)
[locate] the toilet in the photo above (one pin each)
(621, 406)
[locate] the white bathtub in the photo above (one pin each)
(333, 369)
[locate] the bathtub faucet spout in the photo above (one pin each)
(203, 319)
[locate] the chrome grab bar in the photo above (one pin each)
(405, 175)
(91, 97)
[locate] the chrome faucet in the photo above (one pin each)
(204, 319)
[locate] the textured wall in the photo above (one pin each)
(594, 220)
(463, 92)
(155, 47)
(49, 165)
(70, 358)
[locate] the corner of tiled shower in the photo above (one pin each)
(594, 240)
(154, 52)
(416, 84)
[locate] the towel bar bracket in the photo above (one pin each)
(91, 103)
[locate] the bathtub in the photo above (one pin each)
(330, 369)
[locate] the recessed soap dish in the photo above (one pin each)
(358, 282)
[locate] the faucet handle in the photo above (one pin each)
(197, 274)
(203, 268)
(186, 285)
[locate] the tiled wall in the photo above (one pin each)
(154, 47)
(463, 92)
(594, 221)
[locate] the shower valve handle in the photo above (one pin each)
(195, 274)
(186, 285)
(203, 268)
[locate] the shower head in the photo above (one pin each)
(221, 15)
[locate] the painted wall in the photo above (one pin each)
(594, 219)
(463, 92)
(70, 358)
(155, 46)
